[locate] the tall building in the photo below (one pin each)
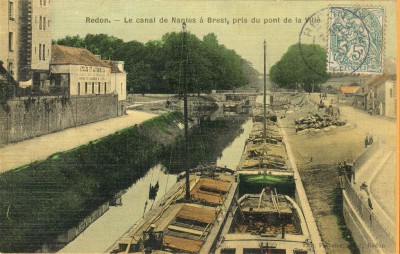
(25, 39)
(9, 36)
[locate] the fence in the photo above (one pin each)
(380, 232)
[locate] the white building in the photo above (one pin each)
(118, 82)
(378, 96)
(77, 72)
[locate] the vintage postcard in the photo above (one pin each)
(199, 126)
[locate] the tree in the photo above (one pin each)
(72, 41)
(156, 66)
(303, 65)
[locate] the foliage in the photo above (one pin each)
(156, 65)
(6, 93)
(338, 211)
(8, 87)
(42, 200)
(304, 66)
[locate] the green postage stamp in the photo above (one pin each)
(356, 39)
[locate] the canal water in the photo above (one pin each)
(101, 234)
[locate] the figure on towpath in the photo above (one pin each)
(370, 140)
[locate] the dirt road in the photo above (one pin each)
(319, 174)
(379, 172)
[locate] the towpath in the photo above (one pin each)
(24, 152)
(379, 172)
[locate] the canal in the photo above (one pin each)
(220, 140)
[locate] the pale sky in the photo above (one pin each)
(69, 18)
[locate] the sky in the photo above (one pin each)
(245, 37)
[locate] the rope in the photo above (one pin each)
(170, 162)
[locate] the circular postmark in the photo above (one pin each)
(343, 33)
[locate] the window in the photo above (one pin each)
(40, 51)
(92, 87)
(40, 2)
(98, 88)
(86, 88)
(40, 22)
(79, 88)
(44, 23)
(10, 41)
(391, 92)
(44, 52)
(228, 251)
(11, 10)
(44, 2)
(11, 68)
(35, 50)
(105, 87)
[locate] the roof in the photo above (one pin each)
(180, 243)
(348, 89)
(75, 56)
(363, 91)
(113, 66)
(381, 79)
(197, 214)
(210, 190)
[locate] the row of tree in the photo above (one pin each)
(156, 66)
(301, 67)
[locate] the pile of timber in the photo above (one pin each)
(317, 122)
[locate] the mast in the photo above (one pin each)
(265, 92)
(185, 108)
(265, 108)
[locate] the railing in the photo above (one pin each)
(380, 232)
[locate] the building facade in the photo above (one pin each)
(118, 83)
(378, 96)
(25, 39)
(77, 72)
(346, 92)
(10, 30)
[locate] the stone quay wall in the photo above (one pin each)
(369, 234)
(28, 117)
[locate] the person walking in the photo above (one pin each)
(366, 141)
(370, 140)
(370, 203)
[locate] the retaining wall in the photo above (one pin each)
(71, 234)
(26, 118)
(369, 234)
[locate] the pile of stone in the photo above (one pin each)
(317, 122)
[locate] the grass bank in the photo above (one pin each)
(338, 211)
(44, 199)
